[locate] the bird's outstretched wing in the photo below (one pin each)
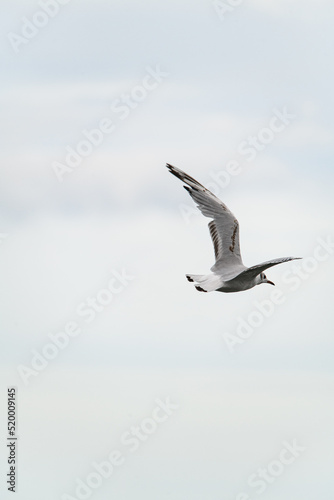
(253, 271)
(224, 228)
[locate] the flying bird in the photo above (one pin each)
(229, 274)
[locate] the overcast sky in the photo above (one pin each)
(240, 97)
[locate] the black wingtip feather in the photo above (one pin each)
(174, 171)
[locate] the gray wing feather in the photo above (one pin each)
(253, 271)
(224, 229)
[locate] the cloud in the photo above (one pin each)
(301, 9)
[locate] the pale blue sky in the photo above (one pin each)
(120, 209)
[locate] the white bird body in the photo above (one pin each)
(229, 274)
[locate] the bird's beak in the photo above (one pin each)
(270, 282)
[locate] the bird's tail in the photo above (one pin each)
(205, 283)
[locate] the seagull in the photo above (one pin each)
(229, 274)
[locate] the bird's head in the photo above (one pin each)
(262, 278)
